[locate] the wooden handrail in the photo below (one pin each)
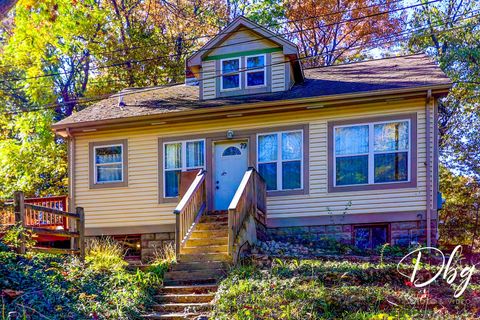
(42, 215)
(52, 210)
(249, 200)
(35, 216)
(189, 210)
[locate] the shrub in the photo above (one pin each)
(105, 254)
(13, 234)
(61, 287)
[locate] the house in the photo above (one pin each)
(347, 151)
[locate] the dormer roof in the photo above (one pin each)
(289, 48)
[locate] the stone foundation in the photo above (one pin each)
(154, 243)
(404, 233)
(399, 233)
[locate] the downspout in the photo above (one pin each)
(71, 178)
(71, 168)
(428, 168)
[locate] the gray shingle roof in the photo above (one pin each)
(376, 75)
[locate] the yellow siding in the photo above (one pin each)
(137, 204)
(209, 87)
(243, 40)
(278, 71)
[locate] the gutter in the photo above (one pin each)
(71, 168)
(428, 168)
(254, 107)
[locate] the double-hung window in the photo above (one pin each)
(181, 156)
(372, 153)
(255, 73)
(108, 163)
(280, 159)
(230, 74)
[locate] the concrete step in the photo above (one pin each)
(211, 226)
(185, 298)
(217, 212)
(190, 282)
(204, 257)
(171, 316)
(182, 307)
(192, 242)
(204, 249)
(214, 218)
(205, 288)
(193, 275)
(192, 266)
(202, 234)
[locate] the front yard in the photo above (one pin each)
(46, 286)
(313, 289)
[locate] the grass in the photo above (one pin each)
(60, 287)
(309, 289)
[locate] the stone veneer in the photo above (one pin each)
(401, 233)
(155, 242)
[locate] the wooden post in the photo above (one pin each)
(20, 218)
(177, 235)
(81, 230)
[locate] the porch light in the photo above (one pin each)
(230, 134)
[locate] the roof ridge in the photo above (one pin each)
(370, 61)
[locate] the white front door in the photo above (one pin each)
(231, 162)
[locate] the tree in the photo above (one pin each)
(339, 30)
(57, 52)
(449, 32)
(270, 13)
(460, 215)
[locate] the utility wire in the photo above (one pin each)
(371, 42)
(227, 45)
(127, 93)
(223, 32)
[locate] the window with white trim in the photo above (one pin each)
(372, 153)
(255, 74)
(177, 157)
(230, 74)
(280, 159)
(108, 163)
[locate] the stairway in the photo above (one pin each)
(191, 283)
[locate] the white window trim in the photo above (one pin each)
(279, 160)
(264, 69)
(371, 153)
(239, 72)
(96, 165)
(183, 167)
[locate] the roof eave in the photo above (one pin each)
(437, 90)
(287, 46)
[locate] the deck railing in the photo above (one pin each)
(48, 216)
(35, 218)
(250, 199)
(190, 209)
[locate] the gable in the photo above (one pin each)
(230, 30)
(241, 43)
(245, 59)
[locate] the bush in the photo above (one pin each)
(13, 234)
(103, 254)
(61, 287)
(310, 289)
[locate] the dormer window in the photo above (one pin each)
(230, 74)
(255, 73)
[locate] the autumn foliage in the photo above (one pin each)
(334, 30)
